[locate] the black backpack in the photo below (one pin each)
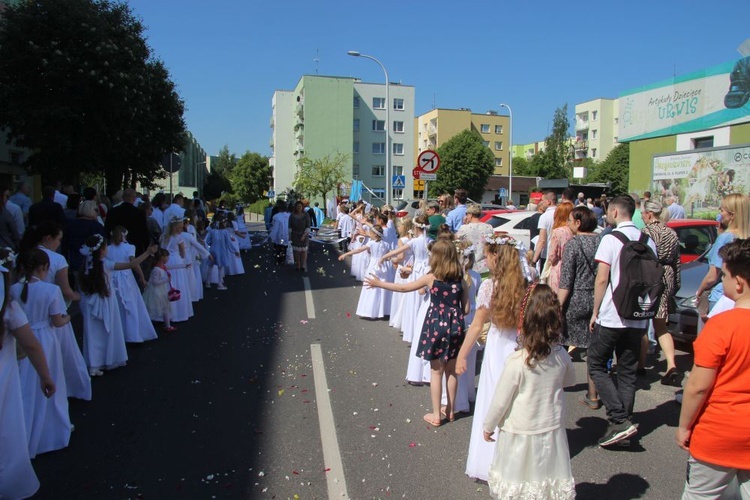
(641, 282)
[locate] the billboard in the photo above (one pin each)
(701, 178)
(710, 98)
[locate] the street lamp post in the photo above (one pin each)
(388, 193)
(510, 150)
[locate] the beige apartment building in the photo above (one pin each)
(434, 128)
(596, 125)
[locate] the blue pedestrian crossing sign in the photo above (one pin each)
(399, 181)
(503, 193)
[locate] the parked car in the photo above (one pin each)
(487, 214)
(516, 223)
(407, 208)
(695, 235)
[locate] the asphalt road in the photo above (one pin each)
(226, 407)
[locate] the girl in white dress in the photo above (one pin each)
(240, 229)
(195, 253)
(47, 236)
(156, 295)
(403, 264)
(47, 420)
(532, 459)
(172, 241)
(17, 477)
(360, 237)
(498, 302)
(233, 246)
(135, 320)
(374, 303)
(103, 338)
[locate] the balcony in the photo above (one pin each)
(582, 124)
(270, 142)
(581, 145)
(299, 110)
(299, 132)
(272, 122)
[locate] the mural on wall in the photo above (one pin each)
(699, 180)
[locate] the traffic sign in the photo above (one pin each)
(419, 185)
(427, 177)
(399, 182)
(503, 193)
(416, 173)
(428, 161)
(171, 162)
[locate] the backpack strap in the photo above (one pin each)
(621, 236)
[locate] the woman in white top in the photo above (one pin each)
(48, 236)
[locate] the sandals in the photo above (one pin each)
(170, 329)
(593, 404)
(451, 418)
(428, 418)
(672, 377)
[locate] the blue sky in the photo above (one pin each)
(227, 57)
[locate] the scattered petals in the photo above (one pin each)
(412, 444)
(281, 392)
(303, 321)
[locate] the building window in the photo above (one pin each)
(486, 144)
(398, 170)
(378, 103)
(498, 145)
(398, 127)
(378, 148)
(398, 148)
(378, 193)
(703, 142)
(356, 124)
(498, 129)
(593, 134)
(593, 152)
(356, 101)
(355, 170)
(378, 170)
(485, 127)
(355, 147)
(398, 104)
(378, 125)
(398, 194)
(498, 162)
(593, 116)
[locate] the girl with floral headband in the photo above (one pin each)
(403, 264)
(103, 337)
(498, 302)
(136, 323)
(373, 303)
(532, 459)
(172, 240)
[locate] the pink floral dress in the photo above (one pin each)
(443, 330)
(560, 236)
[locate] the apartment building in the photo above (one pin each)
(596, 124)
(437, 126)
(326, 115)
(527, 151)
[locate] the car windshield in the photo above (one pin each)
(401, 205)
(526, 223)
(694, 240)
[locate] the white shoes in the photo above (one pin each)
(96, 373)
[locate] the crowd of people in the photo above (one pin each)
(538, 309)
(128, 266)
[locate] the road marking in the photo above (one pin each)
(309, 298)
(331, 454)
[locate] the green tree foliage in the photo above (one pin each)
(215, 185)
(224, 162)
(522, 167)
(465, 162)
(554, 161)
(249, 177)
(317, 178)
(79, 86)
(615, 169)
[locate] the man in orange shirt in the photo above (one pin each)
(716, 404)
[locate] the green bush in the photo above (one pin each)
(258, 207)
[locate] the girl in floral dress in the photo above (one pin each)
(443, 328)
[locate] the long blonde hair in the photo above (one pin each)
(739, 205)
(508, 287)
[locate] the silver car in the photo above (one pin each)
(683, 322)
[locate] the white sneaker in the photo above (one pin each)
(96, 373)
(221, 287)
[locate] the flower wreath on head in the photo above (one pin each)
(506, 239)
(9, 259)
(421, 226)
(88, 252)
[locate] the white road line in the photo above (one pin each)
(331, 454)
(309, 298)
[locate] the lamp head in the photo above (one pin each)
(353, 53)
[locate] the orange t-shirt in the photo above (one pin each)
(721, 435)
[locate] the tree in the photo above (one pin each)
(225, 162)
(522, 167)
(615, 169)
(80, 88)
(552, 163)
(465, 162)
(215, 185)
(249, 177)
(320, 177)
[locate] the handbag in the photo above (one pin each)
(173, 294)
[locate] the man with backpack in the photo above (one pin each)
(626, 295)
